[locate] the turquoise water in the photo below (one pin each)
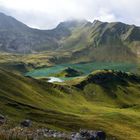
(85, 68)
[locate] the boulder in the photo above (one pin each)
(83, 133)
(92, 138)
(100, 135)
(26, 123)
(78, 137)
(2, 119)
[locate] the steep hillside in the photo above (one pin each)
(117, 85)
(104, 42)
(94, 106)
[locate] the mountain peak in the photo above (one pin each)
(97, 21)
(72, 23)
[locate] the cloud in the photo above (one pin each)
(46, 14)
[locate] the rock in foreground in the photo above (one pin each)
(2, 119)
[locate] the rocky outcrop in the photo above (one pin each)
(26, 123)
(26, 133)
(2, 119)
(89, 135)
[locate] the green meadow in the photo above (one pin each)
(111, 105)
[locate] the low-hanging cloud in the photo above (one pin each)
(45, 14)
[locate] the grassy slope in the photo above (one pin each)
(69, 108)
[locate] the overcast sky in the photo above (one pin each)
(46, 14)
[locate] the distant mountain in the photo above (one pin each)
(98, 40)
(17, 37)
(104, 41)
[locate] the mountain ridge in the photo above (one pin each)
(79, 37)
